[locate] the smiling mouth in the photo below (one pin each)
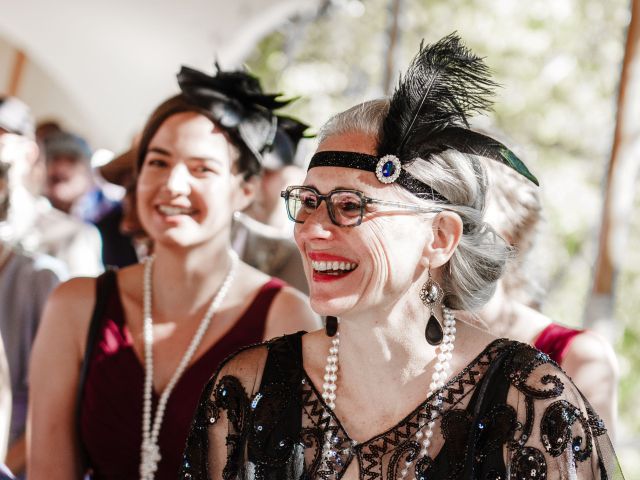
(170, 211)
(333, 268)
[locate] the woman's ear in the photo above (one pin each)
(245, 192)
(447, 232)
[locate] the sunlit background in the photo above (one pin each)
(100, 70)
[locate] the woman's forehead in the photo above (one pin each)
(325, 179)
(349, 142)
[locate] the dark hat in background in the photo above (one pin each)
(121, 169)
(282, 151)
(281, 154)
(16, 117)
(68, 144)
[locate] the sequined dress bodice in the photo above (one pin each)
(510, 414)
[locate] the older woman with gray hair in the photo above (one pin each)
(390, 226)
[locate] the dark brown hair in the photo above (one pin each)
(246, 162)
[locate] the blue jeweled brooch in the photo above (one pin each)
(388, 169)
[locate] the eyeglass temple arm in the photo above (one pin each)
(408, 206)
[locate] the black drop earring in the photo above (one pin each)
(431, 294)
(331, 326)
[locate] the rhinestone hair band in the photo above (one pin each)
(387, 169)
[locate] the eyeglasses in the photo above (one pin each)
(346, 207)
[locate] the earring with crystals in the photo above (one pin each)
(331, 326)
(431, 294)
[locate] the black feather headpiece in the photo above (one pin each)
(237, 102)
(428, 114)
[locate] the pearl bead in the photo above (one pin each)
(439, 375)
(149, 449)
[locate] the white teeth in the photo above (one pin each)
(169, 210)
(335, 266)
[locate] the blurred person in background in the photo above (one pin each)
(31, 221)
(5, 402)
(262, 233)
(26, 280)
(169, 321)
(121, 232)
(515, 211)
(69, 184)
(5, 411)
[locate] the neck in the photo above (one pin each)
(388, 343)
(184, 281)
(505, 317)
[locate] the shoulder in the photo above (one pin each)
(247, 364)
(245, 368)
(589, 347)
(66, 317)
(290, 312)
(70, 304)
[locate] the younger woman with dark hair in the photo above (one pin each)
(160, 327)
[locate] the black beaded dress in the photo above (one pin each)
(512, 413)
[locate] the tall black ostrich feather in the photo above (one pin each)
(444, 85)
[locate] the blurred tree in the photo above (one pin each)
(620, 181)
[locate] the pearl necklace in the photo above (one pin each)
(149, 449)
(440, 374)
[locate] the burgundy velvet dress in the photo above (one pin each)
(111, 406)
(554, 340)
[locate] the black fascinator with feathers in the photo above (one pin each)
(428, 114)
(237, 103)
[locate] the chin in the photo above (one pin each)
(335, 307)
(176, 239)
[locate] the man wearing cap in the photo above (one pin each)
(69, 183)
(262, 234)
(32, 222)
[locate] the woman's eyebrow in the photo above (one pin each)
(206, 159)
(159, 150)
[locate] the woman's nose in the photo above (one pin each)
(179, 181)
(318, 225)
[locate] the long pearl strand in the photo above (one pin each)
(440, 374)
(149, 450)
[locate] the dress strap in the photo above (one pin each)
(276, 409)
(554, 340)
(105, 285)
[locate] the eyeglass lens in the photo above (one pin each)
(345, 208)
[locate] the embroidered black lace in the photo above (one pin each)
(511, 414)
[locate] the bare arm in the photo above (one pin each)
(16, 459)
(52, 443)
(592, 365)
(290, 312)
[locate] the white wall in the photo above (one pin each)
(102, 66)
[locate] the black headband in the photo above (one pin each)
(388, 169)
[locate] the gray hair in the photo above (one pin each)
(469, 279)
